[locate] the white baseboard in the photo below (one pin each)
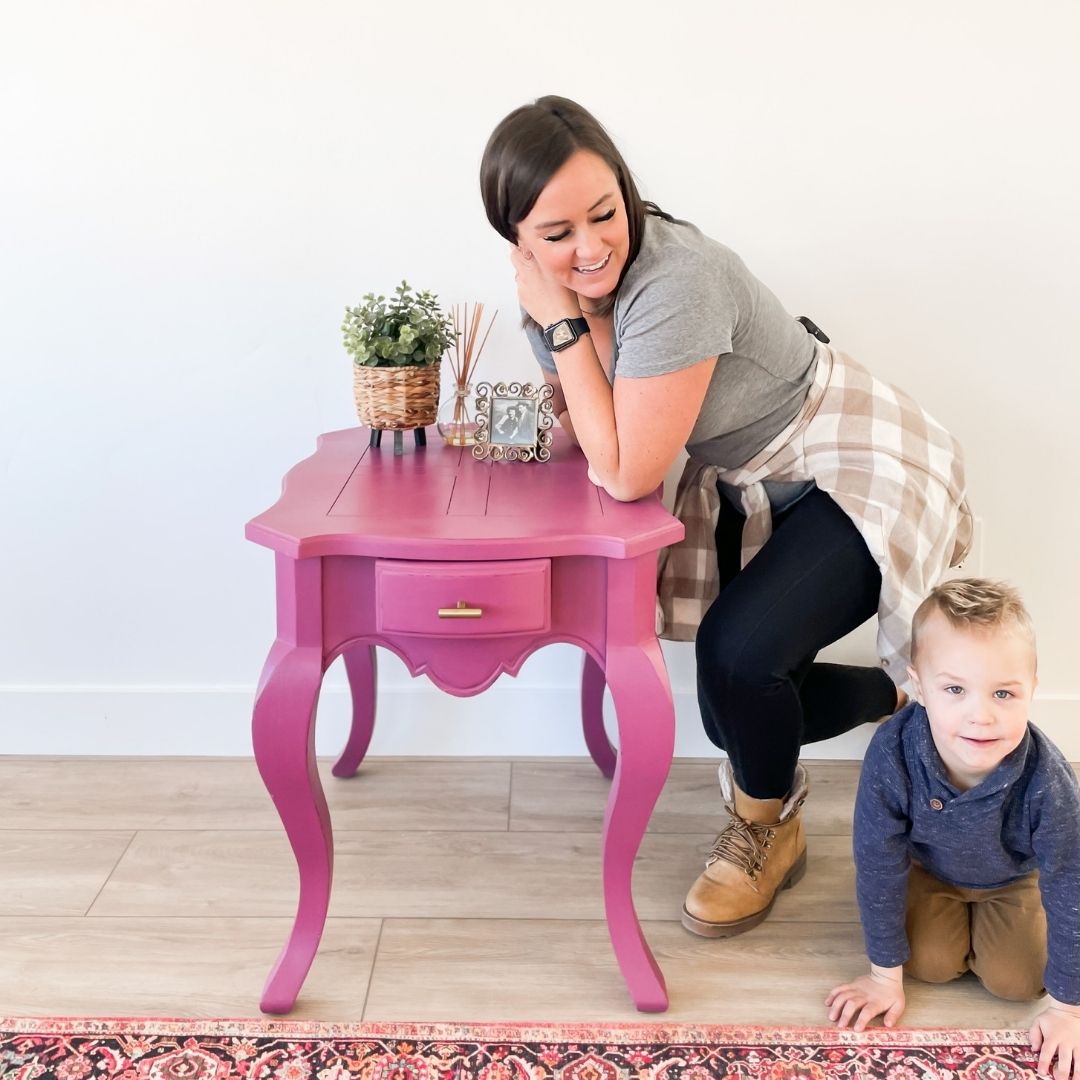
(509, 720)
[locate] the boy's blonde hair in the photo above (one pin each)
(974, 604)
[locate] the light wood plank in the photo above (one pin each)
(540, 970)
(570, 797)
(46, 872)
(174, 967)
(193, 793)
(375, 874)
(438, 875)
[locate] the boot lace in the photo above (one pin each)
(744, 844)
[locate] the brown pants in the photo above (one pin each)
(999, 934)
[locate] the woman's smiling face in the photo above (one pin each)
(577, 229)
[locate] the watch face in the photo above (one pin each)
(561, 335)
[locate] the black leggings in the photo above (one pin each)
(761, 694)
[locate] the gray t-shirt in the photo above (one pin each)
(686, 298)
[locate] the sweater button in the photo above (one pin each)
(936, 804)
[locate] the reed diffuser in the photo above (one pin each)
(456, 423)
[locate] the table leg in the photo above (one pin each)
(639, 685)
(361, 669)
(592, 716)
(283, 734)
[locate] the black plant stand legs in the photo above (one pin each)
(419, 437)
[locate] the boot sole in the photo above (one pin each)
(740, 926)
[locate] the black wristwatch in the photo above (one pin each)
(563, 334)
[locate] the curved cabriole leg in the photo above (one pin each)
(283, 734)
(592, 716)
(361, 669)
(639, 686)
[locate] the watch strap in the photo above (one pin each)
(562, 334)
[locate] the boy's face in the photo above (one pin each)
(976, 686)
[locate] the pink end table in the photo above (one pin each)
(462, 568)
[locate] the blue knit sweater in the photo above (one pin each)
(1024, 816)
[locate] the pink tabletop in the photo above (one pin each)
(441, 502)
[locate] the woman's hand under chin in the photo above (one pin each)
(545, 300)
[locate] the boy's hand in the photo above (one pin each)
(882, 991)
(1056, 1031)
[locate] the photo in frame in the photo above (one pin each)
(513, 421)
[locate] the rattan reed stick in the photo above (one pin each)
(467, 352)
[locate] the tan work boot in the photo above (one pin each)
(762, 850)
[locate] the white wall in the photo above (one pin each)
(191, 193)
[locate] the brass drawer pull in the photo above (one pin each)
(462, 611)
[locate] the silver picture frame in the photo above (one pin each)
(513, 421)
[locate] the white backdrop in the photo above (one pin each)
(191, 193)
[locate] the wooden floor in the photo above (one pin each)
(464, 890)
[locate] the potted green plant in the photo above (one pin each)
(396, 346)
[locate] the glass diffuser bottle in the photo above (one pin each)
(456, 422)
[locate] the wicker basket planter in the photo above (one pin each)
(396, 398)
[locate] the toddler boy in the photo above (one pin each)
(967, 829)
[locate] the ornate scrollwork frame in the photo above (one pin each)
(491, 400)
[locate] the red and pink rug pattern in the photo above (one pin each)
(144, 1049)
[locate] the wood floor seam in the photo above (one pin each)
(371, 969)
(108, 876)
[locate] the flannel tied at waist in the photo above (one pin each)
(893, 469)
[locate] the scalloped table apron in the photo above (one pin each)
(462, 568)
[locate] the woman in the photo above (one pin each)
(654, 338)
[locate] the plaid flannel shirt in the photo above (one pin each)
(893, 469)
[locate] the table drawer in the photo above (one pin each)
(457, 599)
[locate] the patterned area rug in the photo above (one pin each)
(70, 1049)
